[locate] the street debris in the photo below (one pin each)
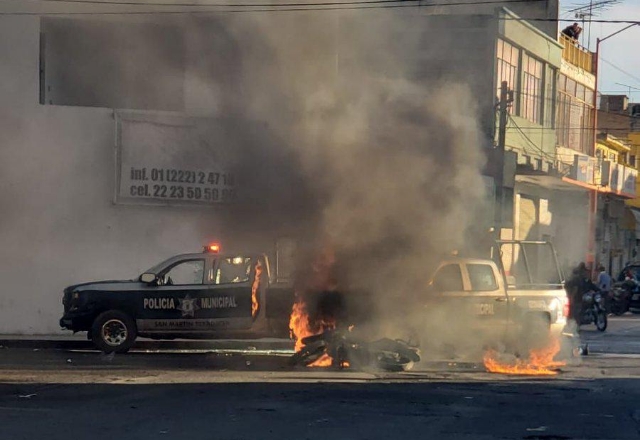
(343, 350)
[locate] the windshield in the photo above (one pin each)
(158, 267)
(529, 264)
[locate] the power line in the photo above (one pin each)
(258, 7)
(280, 5)
(630, 75)
(324, 6)
(533, 144)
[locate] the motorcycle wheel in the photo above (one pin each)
(601, 320)
(394, 362)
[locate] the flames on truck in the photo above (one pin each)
(517, 292)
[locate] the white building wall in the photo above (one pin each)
(59, 225)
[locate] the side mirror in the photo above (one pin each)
(148, 278)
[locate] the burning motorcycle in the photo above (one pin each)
(344, 350)
(593, 310)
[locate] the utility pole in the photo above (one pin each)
(503, 108)
(506, 98)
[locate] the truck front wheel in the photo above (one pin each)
(113, 331)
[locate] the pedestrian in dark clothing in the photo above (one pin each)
(572, 31)
(579, 284)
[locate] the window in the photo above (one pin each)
(574, 116)
(482, 277)
(580, 92)
(448, 279)
(549, 101)
(562, 83)
(123, 64)
(532, 89)
(233, 270)
(185, 272)
(507, 68)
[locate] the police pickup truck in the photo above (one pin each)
(187, 296)
(515, 297)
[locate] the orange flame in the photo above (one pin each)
(300, 327)
(319, 278)
(255, 290)
(539, 363)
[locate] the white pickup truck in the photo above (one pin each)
(516, 298)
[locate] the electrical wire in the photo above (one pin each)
(318, 6)
(533, 144)
(619, 69)
(280, 5)
(237, 8)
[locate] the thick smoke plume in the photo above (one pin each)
(345, 128)
(369, 156)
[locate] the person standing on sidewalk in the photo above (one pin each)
(604, 281)
(604, 284)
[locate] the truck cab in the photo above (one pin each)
(516, 297)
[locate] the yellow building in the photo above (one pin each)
(634, 161)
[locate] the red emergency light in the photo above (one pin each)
(213, 248)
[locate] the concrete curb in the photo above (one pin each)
(68, 343)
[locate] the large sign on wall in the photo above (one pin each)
(167, 159)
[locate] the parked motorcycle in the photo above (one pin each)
(593, 310)
(620, 297)
(346, 349)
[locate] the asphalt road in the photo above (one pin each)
(221, 394)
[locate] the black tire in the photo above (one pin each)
(393, 362)
(601, 320)
(113, 331)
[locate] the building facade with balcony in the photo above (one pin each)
(599, 173)
(619, 125)
(550, 122)
(83, 105)
(616, 179)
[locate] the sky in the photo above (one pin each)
(617, 53)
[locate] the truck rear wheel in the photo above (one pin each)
(113, 331)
